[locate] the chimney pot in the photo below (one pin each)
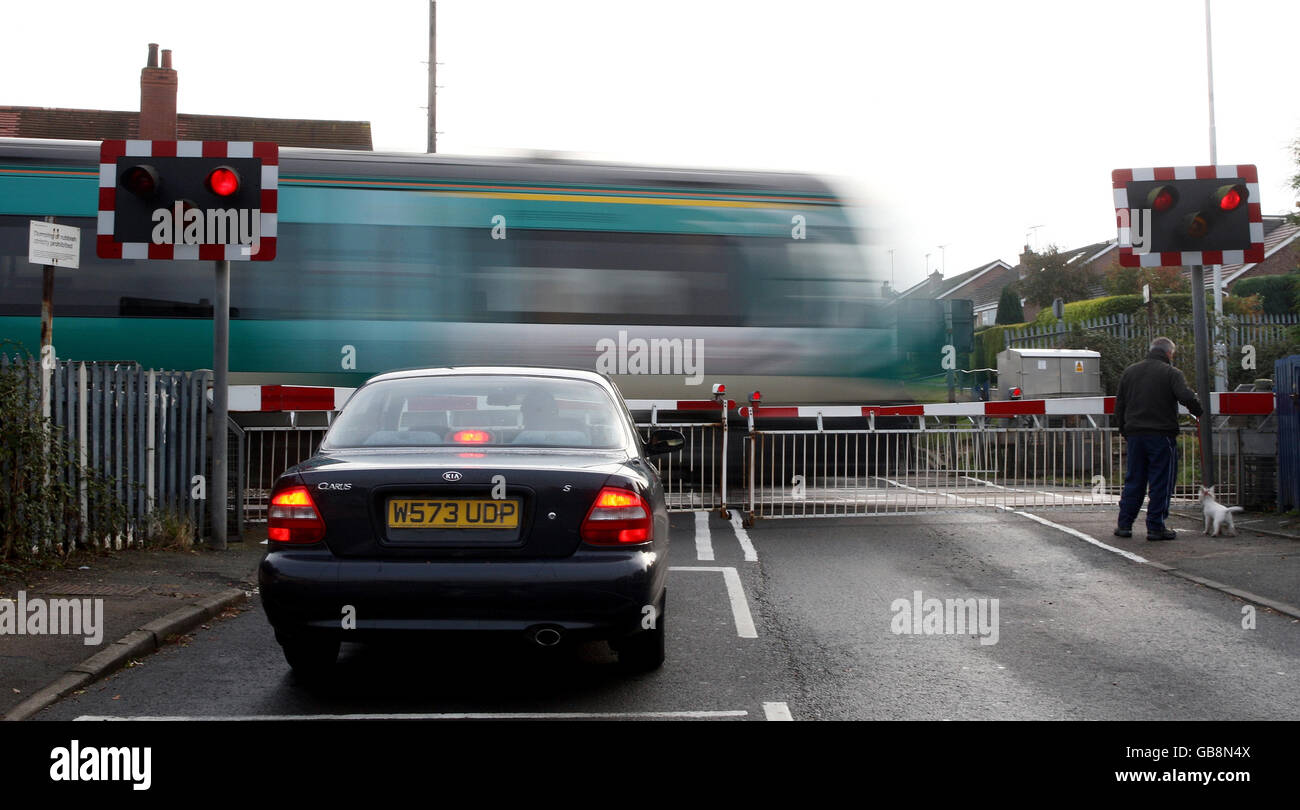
(157, 120)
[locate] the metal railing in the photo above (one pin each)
(269, 451)
(143, 431)
(864, 472)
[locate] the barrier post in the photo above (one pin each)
(720, 395)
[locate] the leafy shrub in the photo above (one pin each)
(42, 486)
(1280, 294)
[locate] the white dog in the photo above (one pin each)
(1217, 513)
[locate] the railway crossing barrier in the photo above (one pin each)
(836, 461)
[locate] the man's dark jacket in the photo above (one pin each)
(1149, 393)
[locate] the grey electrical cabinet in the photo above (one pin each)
(1046, 373)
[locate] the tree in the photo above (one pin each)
(1048, 277)
(1295, 179)
(1129, 280)
(1009, 309)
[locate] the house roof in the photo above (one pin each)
(982, 285)
(97, 125)
(1278, 236)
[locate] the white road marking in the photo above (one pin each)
(703, 543)
(1073, 532)
(1076, 533)
(735, 592)
(777, 710)
(743, 536)
(686, 715)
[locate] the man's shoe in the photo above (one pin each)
(1120, 531)
(1163, 534)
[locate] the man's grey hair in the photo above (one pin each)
(1165, 345)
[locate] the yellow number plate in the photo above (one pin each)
(453, 513)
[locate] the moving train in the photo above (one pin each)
(669, 279)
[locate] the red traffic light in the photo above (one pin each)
(1162, 198)
(223, 181)
(1231, 197)
(141, 180)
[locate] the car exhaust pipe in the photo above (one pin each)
(546, 637)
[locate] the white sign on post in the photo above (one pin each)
(54, 244)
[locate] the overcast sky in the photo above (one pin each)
(963, 123)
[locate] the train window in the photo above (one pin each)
(611, 277)
(812, 283)
(100, 287)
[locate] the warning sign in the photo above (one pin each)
(1078, 366)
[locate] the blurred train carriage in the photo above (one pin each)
(388, 261)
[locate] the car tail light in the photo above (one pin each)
(618, 517)
(293, 517)
(471, 437)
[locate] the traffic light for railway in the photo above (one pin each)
(187, 200)
(1190, 215)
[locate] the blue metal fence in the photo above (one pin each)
(1286, 385)
(145, 432)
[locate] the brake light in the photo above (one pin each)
(618, 517)
(471, 437)
(293, 518)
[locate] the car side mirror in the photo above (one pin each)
(664, 441)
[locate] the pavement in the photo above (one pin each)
(152, 598)
(149, 598)
(1260, 565)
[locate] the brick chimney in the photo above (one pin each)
(1024, 259)
(158, 98)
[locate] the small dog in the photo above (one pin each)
(1217, 513)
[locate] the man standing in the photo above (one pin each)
(1146, 412)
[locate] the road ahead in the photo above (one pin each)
(797, 618)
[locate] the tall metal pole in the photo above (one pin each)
(220, 406)
(892, 285)
(1220, 361)
(47, 330)
(433, 76)
(1202, 338)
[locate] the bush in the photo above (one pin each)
(1179, 304)
(1280, 294)
(1117, 354)
(1009, 308)
(41, 483)
(1266, 357)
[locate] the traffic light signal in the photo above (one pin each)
(187, 200)
(1188, 216)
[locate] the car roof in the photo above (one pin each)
(557, 372)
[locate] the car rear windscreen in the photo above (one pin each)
(478, 410)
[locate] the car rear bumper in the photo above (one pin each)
(595, 594)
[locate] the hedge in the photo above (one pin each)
(1180, 303)
(1281, 294)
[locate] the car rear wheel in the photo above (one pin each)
(644, 652)
(309, 656)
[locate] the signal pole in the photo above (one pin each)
(433, 76)
(1202, 339)
(1220, 362)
